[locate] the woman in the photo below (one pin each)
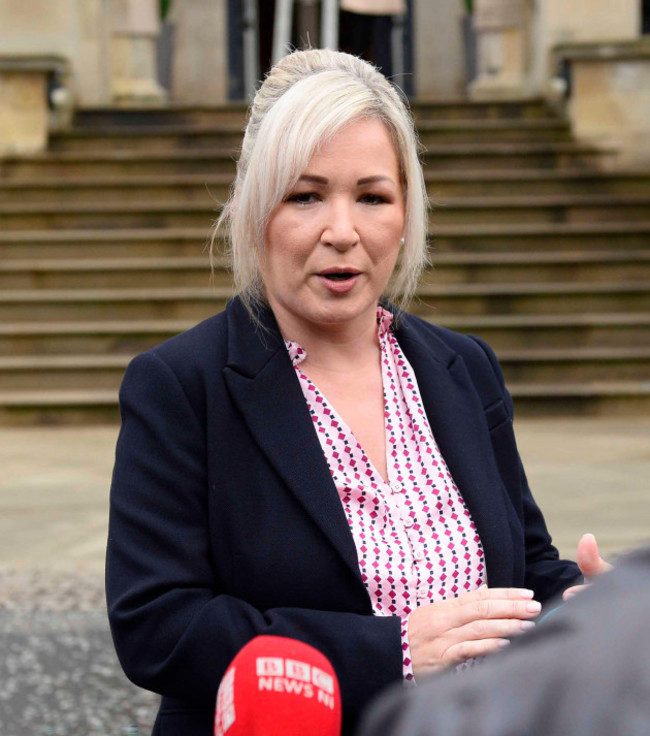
(313, 462)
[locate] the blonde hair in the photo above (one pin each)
(307, 97)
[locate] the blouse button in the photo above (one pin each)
(422, 594)
(396, 486)
(418, 553)
(409, 521)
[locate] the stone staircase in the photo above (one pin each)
(537, 247)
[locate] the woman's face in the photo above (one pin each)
(331, 245)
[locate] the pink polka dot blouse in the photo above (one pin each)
(415, 539)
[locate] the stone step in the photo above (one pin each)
(534, 182)
(235, 114)
(458, 210)
(445, 157)
(550, 209)
(582, 398)
(87, 273)
(503, 332)
(44, 407)
(549, 266)
(71, 372)
(230, 114)
(542, 331)
(182, 137)
(112, 304)
(557, 366)
(210, 189)
(554, 366)
(127, 337)
(525, 130)
(204, 189)
(526, 298)
(177, 242)
(463, 109)
(597, 398)
(152, 242)
(439, 299)
(538, 266)
(148, 137)
(589, 236)
(107, 216)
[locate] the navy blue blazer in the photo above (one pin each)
(225, 522)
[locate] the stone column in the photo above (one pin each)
(200, 53)
(439, 59)
(91, 67)
(503, 29)
(134, 29)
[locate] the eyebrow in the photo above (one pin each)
(360, 182)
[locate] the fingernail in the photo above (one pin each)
(533, 607)
(525, 593)
(527, 625)
(504, 643)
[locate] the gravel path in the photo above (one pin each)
(59, 675)
(46, 590)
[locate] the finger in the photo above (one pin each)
(588, 558)
(474, 648)
(496, 609)
(485, 593)
(574, 590)
(500, 628)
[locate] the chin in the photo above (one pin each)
(339, 313)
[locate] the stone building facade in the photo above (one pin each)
(120, 53)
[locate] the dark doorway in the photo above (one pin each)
(265, 14)
(306, 22)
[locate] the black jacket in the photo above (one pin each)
(225, 522)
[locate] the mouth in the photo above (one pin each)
(339, 274)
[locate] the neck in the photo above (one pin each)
(335, 347)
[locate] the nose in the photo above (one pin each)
(339, 228)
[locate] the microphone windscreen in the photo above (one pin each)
(277, 686)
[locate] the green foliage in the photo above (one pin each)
(470, 6)
(164, 8)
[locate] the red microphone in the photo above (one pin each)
(278, 687)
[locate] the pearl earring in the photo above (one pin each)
(401, 242)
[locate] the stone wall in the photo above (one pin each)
(563, 21)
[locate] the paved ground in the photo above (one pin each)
(59, 674)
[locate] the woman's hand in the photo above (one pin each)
(472, 625)
(590, 563)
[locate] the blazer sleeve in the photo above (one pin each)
(174, 626)
(545, 572)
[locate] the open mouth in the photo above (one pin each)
(339, 276)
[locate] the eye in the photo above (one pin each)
(373, 199)
(302, 197)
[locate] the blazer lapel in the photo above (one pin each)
(457, 420)
(263, 385)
